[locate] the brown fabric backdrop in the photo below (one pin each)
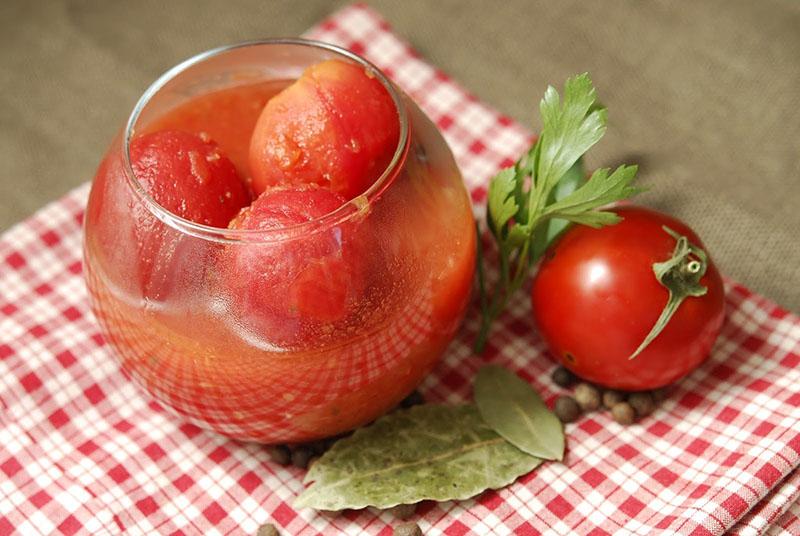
(704, 95)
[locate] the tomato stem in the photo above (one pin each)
(681, 275)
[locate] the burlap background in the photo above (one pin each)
(704, 95)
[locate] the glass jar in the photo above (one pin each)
(217, 345)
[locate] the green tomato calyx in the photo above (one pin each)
(681, 275)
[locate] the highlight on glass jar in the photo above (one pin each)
(278, 246)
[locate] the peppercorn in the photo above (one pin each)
(612, 398)
(623, 413)
(407, 529)
(267, 529)
(317, 447)
(329, 442)
(279, 454)
(642, 403)
(563, 377)
(587, 396)
(567, 409)
(403, 511)
(301, 455)
(659, 394)
(414, 399)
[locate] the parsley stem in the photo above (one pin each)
(489, 314)
(502, 291)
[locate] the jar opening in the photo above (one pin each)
(353, 208)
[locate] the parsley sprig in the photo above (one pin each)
(531, 202)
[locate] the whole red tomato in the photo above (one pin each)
(596, 298)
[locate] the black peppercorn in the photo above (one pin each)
(563, 377)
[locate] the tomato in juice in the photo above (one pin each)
(194, 345)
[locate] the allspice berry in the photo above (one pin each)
(642, 403)
(563, 377)
(611, 398)
(566, 409)
(279, 454)
(407, 529)
(623, 413)
(317, 447)
(331, 440)
(587, 396)
(267, 529)
(413, 399)
(403, 511)
(301, 455)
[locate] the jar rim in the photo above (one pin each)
(353, 208)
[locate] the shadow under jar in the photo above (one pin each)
(201, 335)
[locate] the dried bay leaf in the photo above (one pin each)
(434, 452)
(516, 411)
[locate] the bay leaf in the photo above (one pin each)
(437, 452)
(516, 411)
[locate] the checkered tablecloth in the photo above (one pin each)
(84, 451)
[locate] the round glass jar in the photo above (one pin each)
(185, 326)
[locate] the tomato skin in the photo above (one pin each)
(297, 285)
(336, 126)
(189, 176)
(595, 298)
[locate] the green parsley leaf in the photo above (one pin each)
(501, 203)
(601, 189)
(568, 131)
(571, 181)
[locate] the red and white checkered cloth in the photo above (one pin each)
(84, 451)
